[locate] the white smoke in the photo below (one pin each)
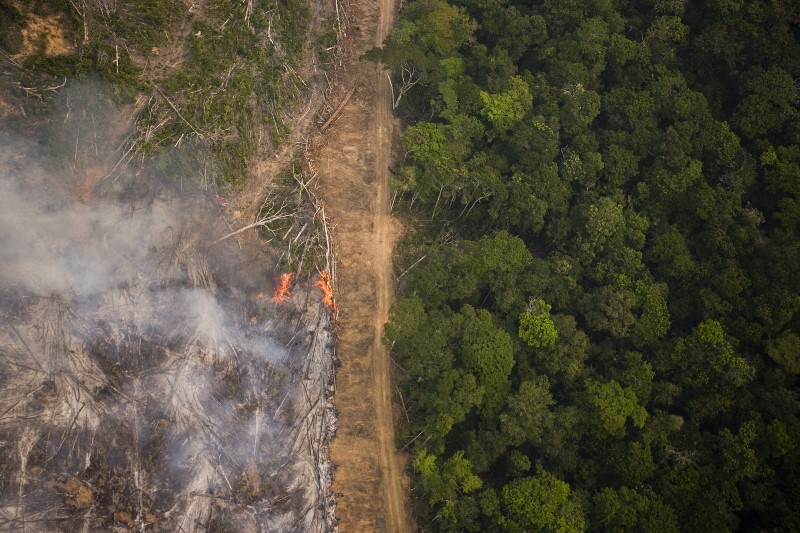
(136, 363)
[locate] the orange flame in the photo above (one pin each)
(221, 201)
(324, 283)
(284, 288)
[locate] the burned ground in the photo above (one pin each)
(145, 385)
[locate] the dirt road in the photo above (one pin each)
(394, 493)
(353, 160)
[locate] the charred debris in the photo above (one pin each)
(148, 380)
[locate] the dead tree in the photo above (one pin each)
(269, 213)
(408, 78)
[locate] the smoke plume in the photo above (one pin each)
(143, 385)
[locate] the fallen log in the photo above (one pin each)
(338, 110)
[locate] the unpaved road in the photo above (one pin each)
(352, 157)
(394, 493)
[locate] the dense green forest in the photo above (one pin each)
(598, 320)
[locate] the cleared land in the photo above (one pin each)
(351, 157)
(353, 160)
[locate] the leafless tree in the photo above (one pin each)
(408, 79)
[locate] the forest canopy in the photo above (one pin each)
(597, 326)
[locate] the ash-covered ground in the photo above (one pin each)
(145, 385)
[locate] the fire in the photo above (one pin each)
(284, 288)
(221, 201)
(324, 283)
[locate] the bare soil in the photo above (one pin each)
(46, 33)
(353, 158)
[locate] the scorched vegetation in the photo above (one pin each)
(147, 383)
